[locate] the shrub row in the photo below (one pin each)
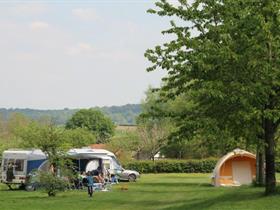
(178, 166)
(173, 166)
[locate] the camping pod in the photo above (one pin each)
(234, 169)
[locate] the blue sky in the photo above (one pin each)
(76, 53)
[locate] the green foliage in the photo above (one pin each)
(153, 136)
(229, 67)
(94, 121)
(54, 142)
(190, 135)
(51, 184)
(48, 138)
(78, 137)
(124, 144)
(9, 129)
(173, 166)
(153, 126)
(277, 166)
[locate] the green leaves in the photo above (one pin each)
(94, 121)
(52, 184)
(228, 69)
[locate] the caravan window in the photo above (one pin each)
(19, 165)
(7, 162)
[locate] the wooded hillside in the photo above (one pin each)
(121, 115)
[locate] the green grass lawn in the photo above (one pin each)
(151, 192)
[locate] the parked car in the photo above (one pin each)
(128, 175)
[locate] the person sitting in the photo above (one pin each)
(98, 175)
(114, 179)
(84, 178)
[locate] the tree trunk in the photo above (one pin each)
(270, 180)
(260, 167)
(153, 157)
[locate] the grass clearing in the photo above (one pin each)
(151, 192)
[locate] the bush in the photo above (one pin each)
(51, 184)
(173, 166)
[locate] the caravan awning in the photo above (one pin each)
(87, 156)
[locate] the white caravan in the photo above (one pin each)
(87, 159)
(22, 162)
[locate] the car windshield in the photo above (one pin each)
(116, 163)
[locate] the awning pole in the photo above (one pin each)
(79, 164)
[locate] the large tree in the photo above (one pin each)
(95, 121)
(193, 134)
(53, 143)
(153, 125)
(46, 137)
(226, 53)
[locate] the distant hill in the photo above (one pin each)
(121, 115)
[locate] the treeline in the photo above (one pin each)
(120, 115)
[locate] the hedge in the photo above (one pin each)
(173, 166)
(178, 166)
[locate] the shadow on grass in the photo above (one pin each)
(175, 184)
(224, 200)
(190, 177)
(145, 204)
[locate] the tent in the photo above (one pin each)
(234, 169)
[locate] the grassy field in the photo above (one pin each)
(151, 192)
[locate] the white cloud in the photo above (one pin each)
(176, 3)
(38, 25)
(87, 14)
(29, 9)
(80, 48)
(24, 56)
(87, 51)
(25, 10)
(6, 25)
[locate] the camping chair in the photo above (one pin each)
(99, 186)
